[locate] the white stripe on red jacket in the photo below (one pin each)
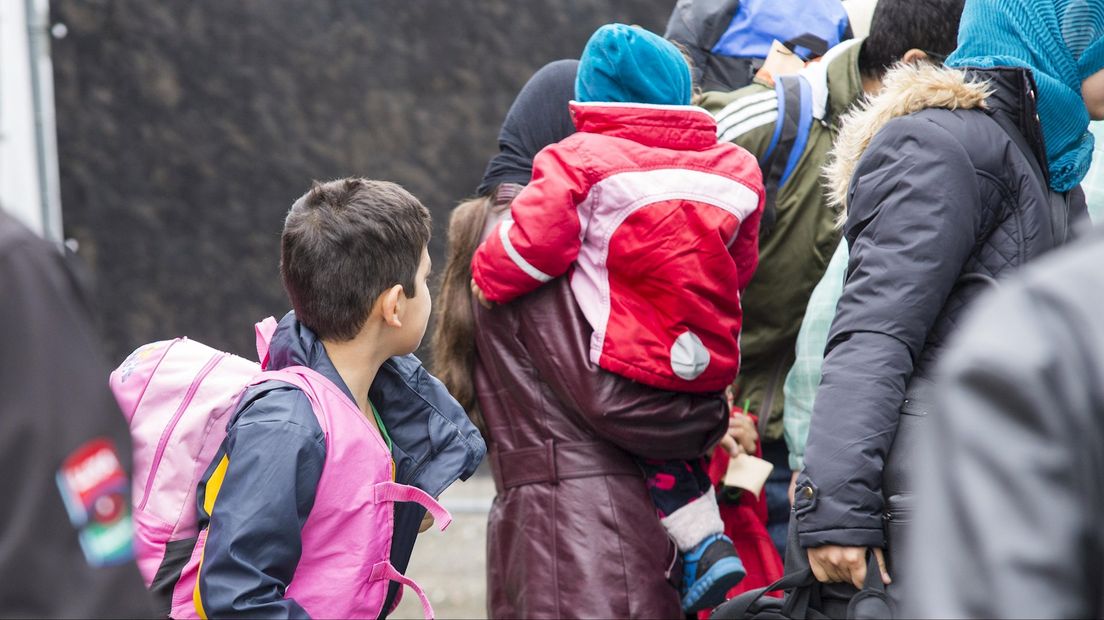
(661, 222)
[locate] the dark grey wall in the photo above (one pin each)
(186, 129)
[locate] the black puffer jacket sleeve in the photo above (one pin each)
(915, 215)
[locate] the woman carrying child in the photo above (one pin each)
(573, 510)
(581, 539)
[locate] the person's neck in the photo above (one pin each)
(358, 362)
(871, 86)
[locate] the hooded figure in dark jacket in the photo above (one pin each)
(952, 179)
(573, 531)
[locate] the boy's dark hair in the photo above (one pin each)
(900, 25)
(344, 243)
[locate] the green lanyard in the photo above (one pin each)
(382, 428)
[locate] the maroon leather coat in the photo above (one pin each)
(573, 532)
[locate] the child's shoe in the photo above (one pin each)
(709, 571)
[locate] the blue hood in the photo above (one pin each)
(627, 64)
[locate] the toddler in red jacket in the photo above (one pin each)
(658, 224)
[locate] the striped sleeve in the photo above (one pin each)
(544, 233)
(745, 117)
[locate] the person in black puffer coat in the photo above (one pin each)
(952, 179)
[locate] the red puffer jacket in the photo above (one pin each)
(661, 222)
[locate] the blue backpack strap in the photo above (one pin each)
(791, 135)
(779, 121)
(805, 124)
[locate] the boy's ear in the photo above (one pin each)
(391, 305)
(914, 55)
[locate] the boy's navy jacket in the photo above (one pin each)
(248, 563)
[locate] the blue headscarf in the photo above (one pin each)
(1062, 42)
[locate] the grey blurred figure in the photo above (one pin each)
(1009, 495)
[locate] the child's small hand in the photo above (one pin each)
(741, 435)
(479, 296)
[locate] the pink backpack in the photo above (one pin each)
(178, 395)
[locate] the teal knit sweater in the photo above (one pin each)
(1062, 43)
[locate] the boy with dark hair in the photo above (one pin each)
(346, 243)
(799, 233)
(355, 266)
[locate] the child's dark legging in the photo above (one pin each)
(674, 484)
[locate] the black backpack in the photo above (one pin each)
(802, 600)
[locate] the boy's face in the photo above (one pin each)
(417, 308)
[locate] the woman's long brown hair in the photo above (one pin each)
(454, 331)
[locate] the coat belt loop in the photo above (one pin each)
(550, 451)
(496, 471)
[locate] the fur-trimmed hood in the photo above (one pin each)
(908, 89)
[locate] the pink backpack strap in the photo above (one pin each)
(395, 492)
(304, 378)
(265, 330)
(287, 376)
(384, 570)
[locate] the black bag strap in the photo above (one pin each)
(803, 597)
(872, 601)
(801, 601)
(804, 601)
(817, 46)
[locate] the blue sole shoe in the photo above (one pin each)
(711, 570)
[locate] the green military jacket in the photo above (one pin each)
(793, 257)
